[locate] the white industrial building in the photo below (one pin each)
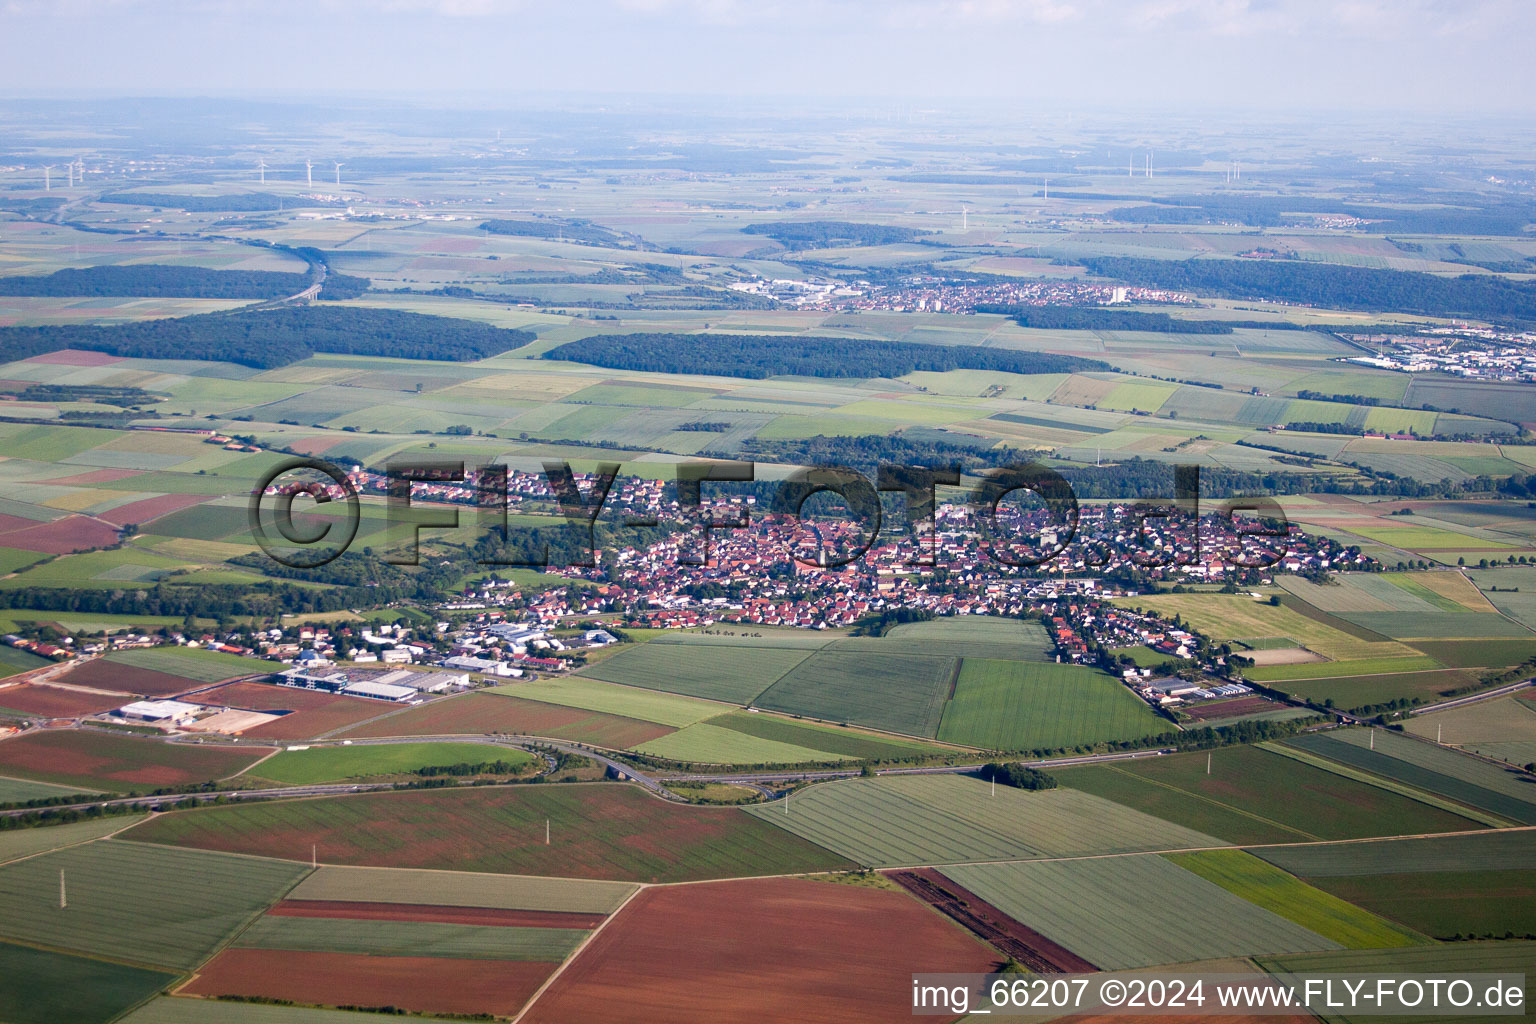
(172, 712)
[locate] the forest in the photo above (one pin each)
(276, 337)
(237, 202)
(826, 234)
(757, 356)
(153, 280)
(1484, 296)
(569, 230)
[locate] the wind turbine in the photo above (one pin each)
(965, 219)
(309, 172)
(1046, 188)
(261, 168)
(80, 169)
(338, 174)
(47, 178)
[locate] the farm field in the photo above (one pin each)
(170, 1010)
(1439, 770)
(492, 712)
(97, 760)
(421, 984)
(337, 763)
(1452, 958)
(613, 699)
(26, 842)
(1264, 885)
(1503, 729)
(706, 743)
(1351, 692)
(1125, 912)
(1481, 851)
(677, 954)
(1254, 796)
(56, 701)
(835, 740)
(40, 987)
(101, 674)
(175, 929)
(897, 821)
(1010, 705)
(736, 674)
(404, 937)
(1445, 904)
(462, 889)
(839, 686)
(22, 790)
(198, 666)
(598, 831)
(311, 712)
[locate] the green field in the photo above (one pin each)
(1441, 770)
(1422, 961)
(718, 672)
(1254, 796)
(596, 831)
(1123, 912)
(899, 693)
(1445, 904)
(462, 889)
(22, 790)
(823, 738)
(1503, 729)
(938, 819)
(193, 663)
(1014, 705)
(25, 842)
(410, 938)
(164, 925)
(1264, 885)
(39, 987)
(612, 699)
(1482, 851)
(1349, 692)
(334, 764)
(706, 743)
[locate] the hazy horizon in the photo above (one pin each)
(1423, 57)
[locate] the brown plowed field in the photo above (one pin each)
(771, 949)
(76, 357)
(57, 703)
(104, 760)
(313, 712)
(423, 984)
(1003, 932)
(1230, 708)
(445, 915)
(102, 674)
(493, 712)
(95, 476)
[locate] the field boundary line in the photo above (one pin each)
(83, 842)
(1390, 785)
(555, 974)
(1211, 800)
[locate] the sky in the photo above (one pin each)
(1431, 56)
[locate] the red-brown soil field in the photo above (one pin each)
(493, 712)
(313, 712)
(771, 949)
(423, 984)
(1229, 708)
(108, 761)
(599, 830)
(60, 537)
(444, 915)
(95, 476)
(110, 675)
(151, 508)
(55, 702)
(75, 357)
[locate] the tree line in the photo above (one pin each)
(826, 234)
